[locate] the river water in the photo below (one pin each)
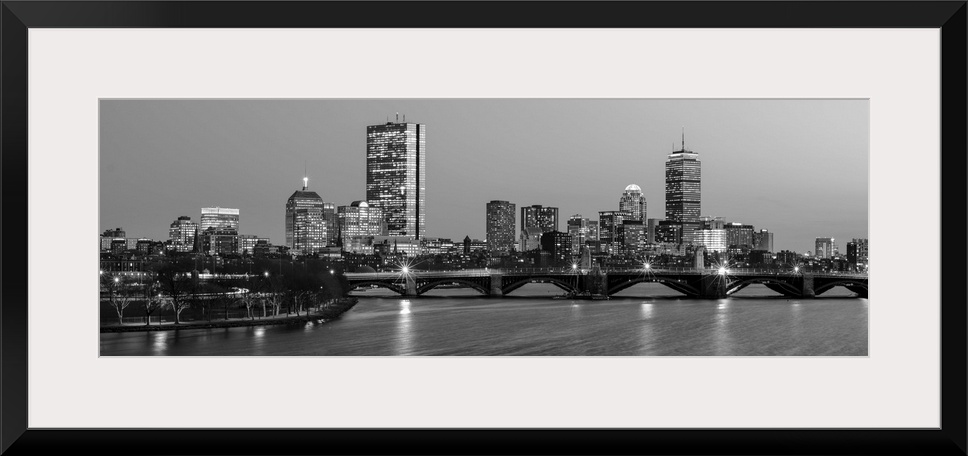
(644, 320)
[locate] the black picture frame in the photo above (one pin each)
(17, 17)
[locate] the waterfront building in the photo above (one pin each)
(739, 236)
(714, 240)
(359, 219)
(558, 244)
(668, 232)
(580, 229)
(650, 225)
(183, 234)
(220, 218)
(824, 248)
(763, 240)
(862, 250)
(633, 203)
(396, 176)
(305, 225)
(531, 239)
(787, 258)
(683, 185)
(634, 235)
(499, 220)
(538, 216)
(608, 223)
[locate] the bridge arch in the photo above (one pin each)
(509, 287)
(855, 286)
(434, 284)
(390, 286)
(674, 284)
(778, 285)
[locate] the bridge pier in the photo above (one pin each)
(411, 286)
(712, 286)
(496, 281)
(807, 287)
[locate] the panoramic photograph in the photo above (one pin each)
(483, 227)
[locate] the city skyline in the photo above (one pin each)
(133, 133)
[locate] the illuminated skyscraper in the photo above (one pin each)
(396, 176)
(500, 226)
(221, 218)
(682, 188)
(182, 234)
(538, 216)
(305, 224)
(633, 203)
(332, 223)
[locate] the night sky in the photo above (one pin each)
(798, 168)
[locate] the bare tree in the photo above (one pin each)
(119, 294)
(176, 286)
(249, 299)
(154, 300)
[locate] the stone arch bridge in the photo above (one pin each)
(691, 282)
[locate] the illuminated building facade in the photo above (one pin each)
(221, 218)
(608, 234)
(763, 240)
(824, 248)
(579, 229)
(714, 240)
(633, 203)
(538, 216)
(358, 219)
(332, 222)
(500, 226)
(220, 242)
(305, 225)
(183, 234)
(739, 236)
(396, 176)
(682, 189)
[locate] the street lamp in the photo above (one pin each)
(796, 269)
(722, 270)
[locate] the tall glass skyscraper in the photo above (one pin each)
(682, 188)
(500, 226)
(396, 176)
(305, 222)
(633, 202)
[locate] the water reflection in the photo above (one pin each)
(160, 342)
(538, 326)
(404, 333)
(722, 343)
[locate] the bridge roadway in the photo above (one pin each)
(707, 283)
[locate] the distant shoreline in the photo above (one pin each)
(329, 313)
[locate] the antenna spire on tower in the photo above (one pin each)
(305, 176)
(683, 138)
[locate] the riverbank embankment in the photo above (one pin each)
(329, 312)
